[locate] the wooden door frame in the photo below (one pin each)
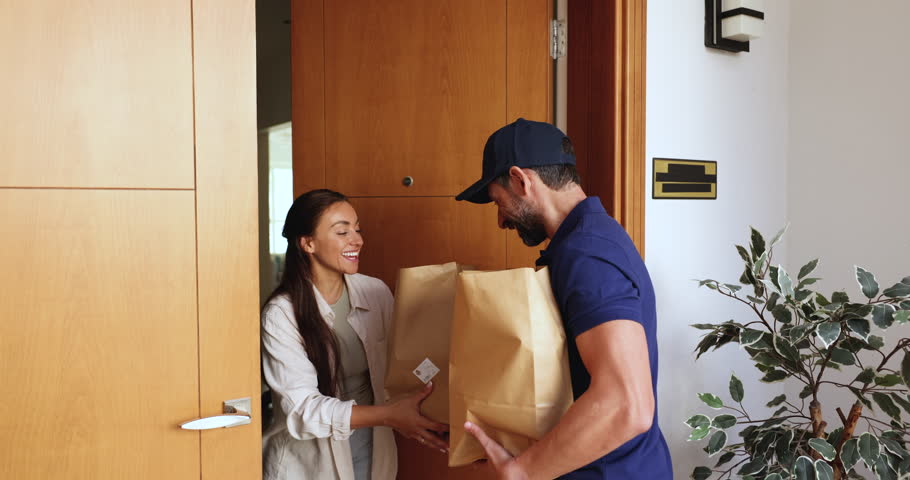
(606, 105)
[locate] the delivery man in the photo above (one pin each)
(608, 309)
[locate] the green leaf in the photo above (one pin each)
(842, 356)
(779, 411)
(823, 447)
(753, 467)
(802, 295)
(883, 315)
(696, 421)
(733, 288)
(859, 326)
(807, 268)
(866, 376)
(849, 453)
(860, 397)
(774, 476)
(905, 368)
(758, 244)
(884, 402)
(835, 435)
(785, 283)
(804, 469)
(782, 448)
(724, 421)
(839, 297)
(876, 342)
(736, 389)
(776, 401)
(902, 316)
(806, 392)
(823, 470)
(903, 402)
(782, 314)
(766, 359)
(869, 449)
(772, 300)
(711, 400)
(786, 349)
(726, 457)
(898, 290)
(882, 470)
(888, 380)
(700, 473)
(717, 442)
(828, 332)
(744, 254)
(775, 376)
(749, 336)
(808, 281)
(704, 326)
(776, 238)
(699, 433)
(893, 446)
(867, 282)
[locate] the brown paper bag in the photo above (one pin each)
(508, 364)
(424, 297)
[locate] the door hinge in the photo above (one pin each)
(559, 38)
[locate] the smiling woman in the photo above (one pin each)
(324, 355)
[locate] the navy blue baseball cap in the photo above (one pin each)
(522, 144)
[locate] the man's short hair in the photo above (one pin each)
(555, 177)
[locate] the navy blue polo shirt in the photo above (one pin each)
(598, 276)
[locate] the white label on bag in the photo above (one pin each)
(426, 370)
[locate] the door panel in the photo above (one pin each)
(227, 211)
(98, 94)
(98, 340)
(413, 94)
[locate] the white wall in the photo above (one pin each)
(850, 138)
(710, 105)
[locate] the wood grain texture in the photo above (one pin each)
(96, 95)
(227, 213)
(606, 105)
(414, 95)
(98, 337)
(529, 93)
(308, 95)
(407, 232)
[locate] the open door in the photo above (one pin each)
(129, 285)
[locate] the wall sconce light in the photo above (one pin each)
(730, 24)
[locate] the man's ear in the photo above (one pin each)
(306, 244)
(519, 180)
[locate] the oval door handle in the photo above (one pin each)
(236, 413)
(218, 421)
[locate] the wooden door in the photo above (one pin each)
(128, 276)
(384, 91)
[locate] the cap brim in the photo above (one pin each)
(476, 193)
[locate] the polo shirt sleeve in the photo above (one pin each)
(596, 291)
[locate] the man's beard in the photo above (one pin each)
(528, 223)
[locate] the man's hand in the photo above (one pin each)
(503, 463)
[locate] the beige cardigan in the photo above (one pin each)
(308, 436)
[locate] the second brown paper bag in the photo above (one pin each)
(424, 298)
(508, 363)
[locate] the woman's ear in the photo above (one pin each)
(306, 244)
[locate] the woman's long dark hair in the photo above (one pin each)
(319, 340)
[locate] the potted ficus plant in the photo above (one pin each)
(796, 334)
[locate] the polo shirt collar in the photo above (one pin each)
(588, 205)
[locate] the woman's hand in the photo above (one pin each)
(404, 415)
